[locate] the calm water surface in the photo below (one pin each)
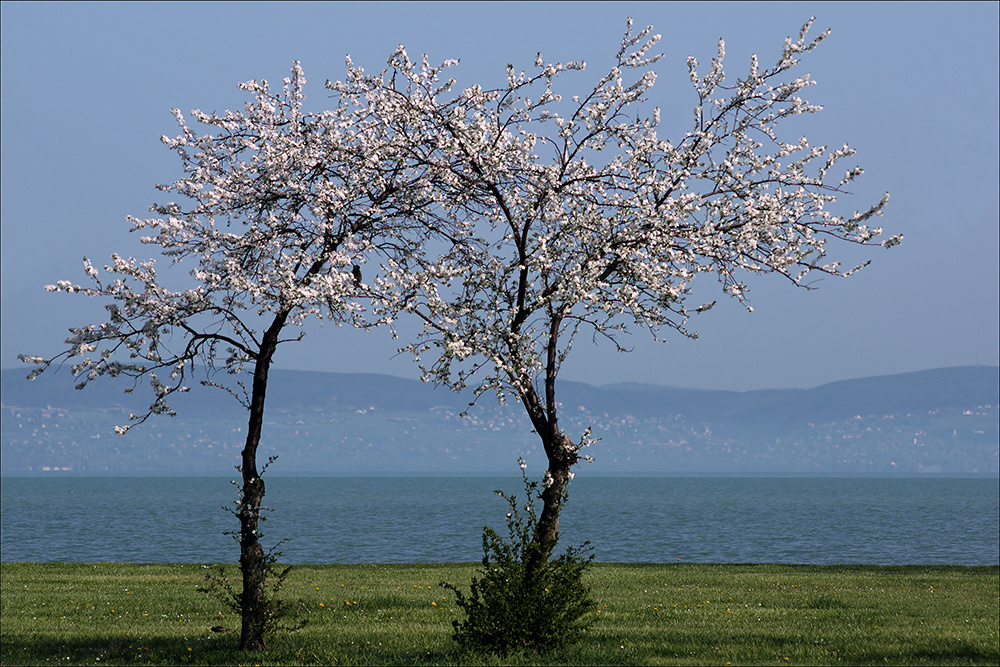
(816, 520)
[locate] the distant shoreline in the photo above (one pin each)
(504, 474)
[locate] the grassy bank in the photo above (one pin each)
(111, 613)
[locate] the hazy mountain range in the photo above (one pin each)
(944, 420)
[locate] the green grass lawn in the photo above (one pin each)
(109, 613)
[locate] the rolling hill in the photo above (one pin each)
(942, 420)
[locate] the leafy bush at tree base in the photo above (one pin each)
(519, 600)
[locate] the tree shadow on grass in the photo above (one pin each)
(120, 650)
(210, 650)
(931, 652)
(709, 646)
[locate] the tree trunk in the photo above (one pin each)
(559, 450)
(561, 457)
(253, 599)
(252, 565)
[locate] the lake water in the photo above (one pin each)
(817, 520)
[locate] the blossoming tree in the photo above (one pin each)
(283, 209)
(587, 220)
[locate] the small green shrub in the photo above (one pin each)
(512, 605)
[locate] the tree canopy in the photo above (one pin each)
(587, 219)
(509, 220)
(278, 211)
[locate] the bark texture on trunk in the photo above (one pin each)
(253, 601)
(561, 457)
(560, 451)
(252, 565)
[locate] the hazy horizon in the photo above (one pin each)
(66, 375)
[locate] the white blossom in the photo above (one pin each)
(277, 215)
(552, 212)
(584, 219)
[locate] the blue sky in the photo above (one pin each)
(87, 91)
